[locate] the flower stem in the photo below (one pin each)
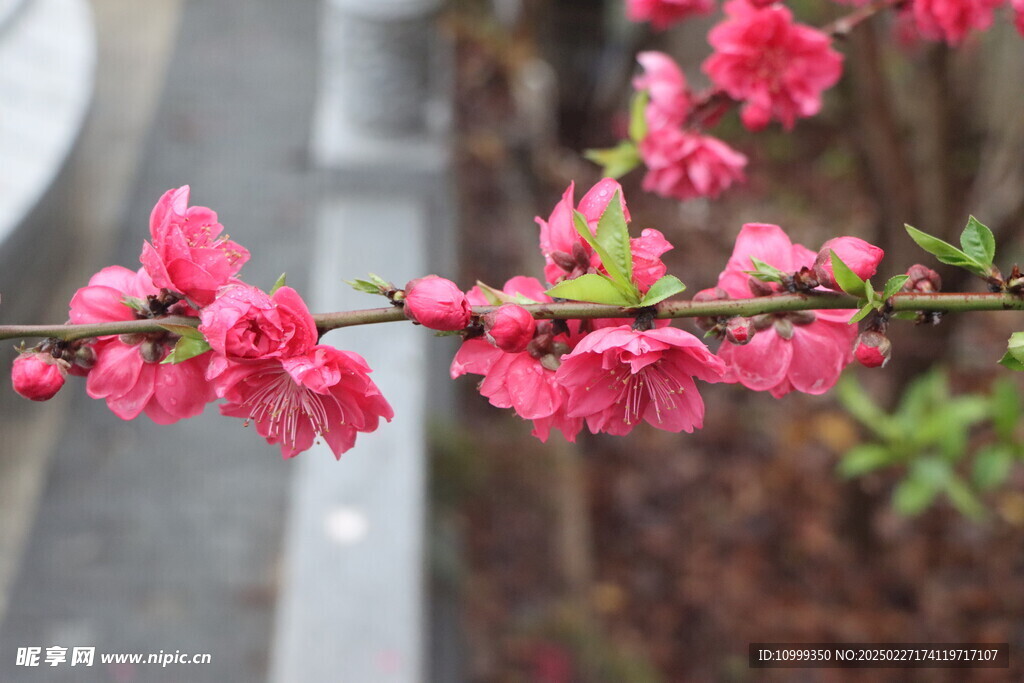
(777, 303)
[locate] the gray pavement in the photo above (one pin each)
(169, 538)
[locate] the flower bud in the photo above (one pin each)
(861, 257)
(38, 376)
(922, 279)
(759, 287)
(713, 294)
(510, 328)
(739, 330)
(872, 349)
(437, 303)
(151, 351)
(85, 357)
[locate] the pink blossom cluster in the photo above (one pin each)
(664, 13)
(681, 161)
(264, 360)
(953, 20)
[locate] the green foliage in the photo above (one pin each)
(663, 288)
(765, 272)
(616, 161)
(375, 285)
(591, 287)
(956, 447)
(977, 253)
(848, 280)
(186, 348)
(1014, 356)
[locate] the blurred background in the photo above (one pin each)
(336, 137)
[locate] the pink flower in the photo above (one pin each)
(861, 257)
(38, 376)
(617, 376)
(568, 255)
(778, 68)
(685, 165)
(1018, 8)
(666, 84)
(127, 372)
(872, 349)
(952, 20)
(188, 255)
(510, 328)
(437, 303)
(805, 351)
(524, 381)
(244, 323)
(664, 13)
(324, 392)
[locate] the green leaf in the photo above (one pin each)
(666, 286)
(186, 348)
(861, 314)
(615, 161)
(1008, 361)
(638, 116)
(848, 280)
(963, 499)
(864, 458)
(183, 331)
(625, 285)
(978, 242)
(893, 285)
(279, 283)
(947, 253)
(136, 304)
(992, 466)
(363, 286)
(592, 288)
(1005, 409)
(863, 408)
(913, 495)
(1015, 346)
(765, 272)
(613, 235)
(494, 296)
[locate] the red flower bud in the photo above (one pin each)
(436, 303)
(510, 328)
(872, 349)
(38, 376)
(922, 279)
(861, 257)
(739, 330)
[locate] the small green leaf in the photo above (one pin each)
(1006, 408)
(613, 235)
(872, 295)
(864, 458)
(183, 331)
(624, 284)
(363, 286)
(666, 286)
(765, 272)
(495, 297)
(279, 283)
(615, 161)
(848, 280)
(963, 499)
(859, 404)
(1015, 346)
(913, 495)
(978, 242)
(638, 116)
(186, 348)
(861, 314)
(592, 288)
(947, 253)
(894, 285)
(1008, 361)
(992, 466)
(136, 304)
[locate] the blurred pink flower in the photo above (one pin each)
(805, 351)
(685, 165)
(325, 392)
(952, 20)
(776, 67)
(524, 381)
(187, 254)
(128, 372)
(862, 258)
(1018, 8)
(244, 323)
(38, 376)
(618, 376)
(436, 303)
(664, 13)
(665, 82)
